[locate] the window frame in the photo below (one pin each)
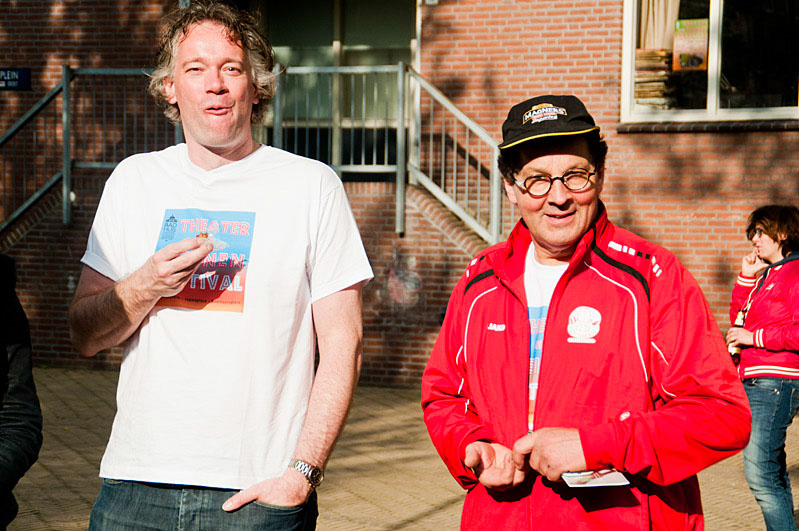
(713, 112)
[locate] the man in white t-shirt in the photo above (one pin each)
(219, 264)
(577, 347)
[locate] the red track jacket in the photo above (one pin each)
(650, 385)
(773, 317)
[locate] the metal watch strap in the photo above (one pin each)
(313, 474)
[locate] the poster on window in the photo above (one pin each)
(690, 44)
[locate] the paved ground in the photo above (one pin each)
(384, 474)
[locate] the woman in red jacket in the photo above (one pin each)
(765, 304)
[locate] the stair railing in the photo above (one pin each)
(80, 123)
(359, 119)
(456, 160)
(32, 155)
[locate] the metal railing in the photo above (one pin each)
(114, 117)
(456, 160)
(344, 116)
(32, 154)
(357, 119)
(93, 118)
(350, 117)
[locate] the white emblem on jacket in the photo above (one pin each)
(583, 325)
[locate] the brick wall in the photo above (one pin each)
(414, 276)
(44, 34)
(690, 192)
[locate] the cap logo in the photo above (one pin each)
(543, 112)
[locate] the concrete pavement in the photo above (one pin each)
(384, 473)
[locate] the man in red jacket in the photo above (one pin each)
(577, 346)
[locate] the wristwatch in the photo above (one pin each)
(313, 474)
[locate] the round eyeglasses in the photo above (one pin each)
(539, 185)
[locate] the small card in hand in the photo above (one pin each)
(597, 478)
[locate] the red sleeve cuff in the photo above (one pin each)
(465, 476)
(481, 434)
(758, 338)
(598, 443)
(745, 280)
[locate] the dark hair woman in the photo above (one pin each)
(765, 316)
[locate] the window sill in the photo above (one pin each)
(734, 126)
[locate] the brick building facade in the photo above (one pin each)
(688, 191)
(687, 186)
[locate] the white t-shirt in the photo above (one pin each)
(214, 387)
(539, 284)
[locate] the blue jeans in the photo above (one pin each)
(774, 402)
(131, 505)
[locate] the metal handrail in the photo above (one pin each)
(450, 106)
(31, 200)
(468, 208)
(386, 69)
(28, 116)
(111, 71)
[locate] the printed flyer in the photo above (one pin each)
(690, 44)
(220, 281)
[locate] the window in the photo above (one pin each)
(340, 32)
(710, 60)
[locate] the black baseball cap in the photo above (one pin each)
(546, 116)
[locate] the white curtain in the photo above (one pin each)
(656, 30)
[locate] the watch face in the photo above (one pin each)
(315, 477)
